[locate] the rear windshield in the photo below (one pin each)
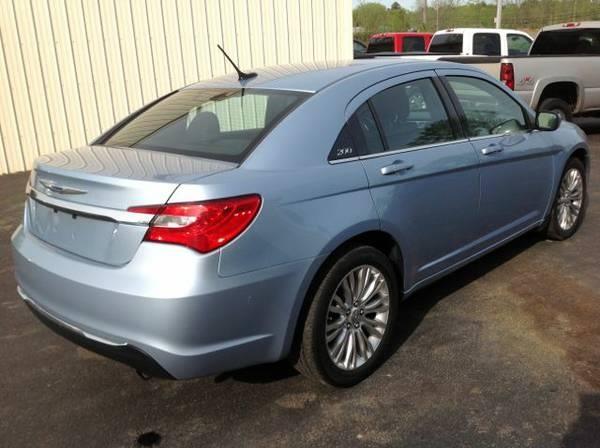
(413, 43)
(380, 44)
(222, 124)
(446, 43)
(567, 41)
(486, 44)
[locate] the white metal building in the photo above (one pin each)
(70, 69)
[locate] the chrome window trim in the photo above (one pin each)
(489, 136)
(413, 148)
(107, 214)
(401, 150)
(349, 159)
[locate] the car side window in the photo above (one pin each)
(344, 147)
(487, 108)
(518, 44)
(486, 44)
(412, 114)
(367, 133)
(358, 136)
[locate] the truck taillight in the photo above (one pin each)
(203, 226)
(507, 75)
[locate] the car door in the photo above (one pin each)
(516, 162)
(422, 173)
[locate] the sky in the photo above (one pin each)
(408, 4)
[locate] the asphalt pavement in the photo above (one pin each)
(503, 353)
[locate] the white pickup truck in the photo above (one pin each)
(480, 41)
(561, 73)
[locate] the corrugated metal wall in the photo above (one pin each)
(69, 69)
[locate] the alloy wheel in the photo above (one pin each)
(570, 199)
(357, 317)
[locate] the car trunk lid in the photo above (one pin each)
(78, 199)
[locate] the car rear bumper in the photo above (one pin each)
(167, 312)
(121, 352)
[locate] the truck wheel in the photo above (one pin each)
(558, 106)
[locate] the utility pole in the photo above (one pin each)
(498, 13)
(425, 12)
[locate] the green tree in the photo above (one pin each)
(528, 15)
(371, 17)
(397, 20)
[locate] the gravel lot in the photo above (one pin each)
(505, 352)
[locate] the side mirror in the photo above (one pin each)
(547, 121)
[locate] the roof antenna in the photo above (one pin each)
(241, 75)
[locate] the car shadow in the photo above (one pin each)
(413, 310)
(260, 374)
(585, 431)
(590, 125)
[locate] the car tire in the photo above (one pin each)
(558, 106)
(561, 224)
(323, 335)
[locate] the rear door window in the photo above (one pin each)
(412, 114)
(380, 45)
(486, 44)
(413, 43)
(487, 108)
(344, 147)
(518, 44)
(359, 136)
(222, 124)
(447, 43)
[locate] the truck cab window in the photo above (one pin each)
(486, 44)
(518, 44)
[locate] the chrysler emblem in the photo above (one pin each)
(60, 188)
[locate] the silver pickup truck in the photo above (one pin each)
(561, 72)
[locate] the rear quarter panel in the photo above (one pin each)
(304, 213)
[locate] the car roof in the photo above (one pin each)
(571, 25)
(312, 77)
(403, 33)
(479, 30)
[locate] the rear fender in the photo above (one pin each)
(541, 84)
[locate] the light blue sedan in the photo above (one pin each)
(236, 222)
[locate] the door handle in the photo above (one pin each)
(492, 149)
(397, 167)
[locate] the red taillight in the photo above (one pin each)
(507, 75)
(202, 226)
(571, 24)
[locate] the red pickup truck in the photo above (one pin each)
(398, 42)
